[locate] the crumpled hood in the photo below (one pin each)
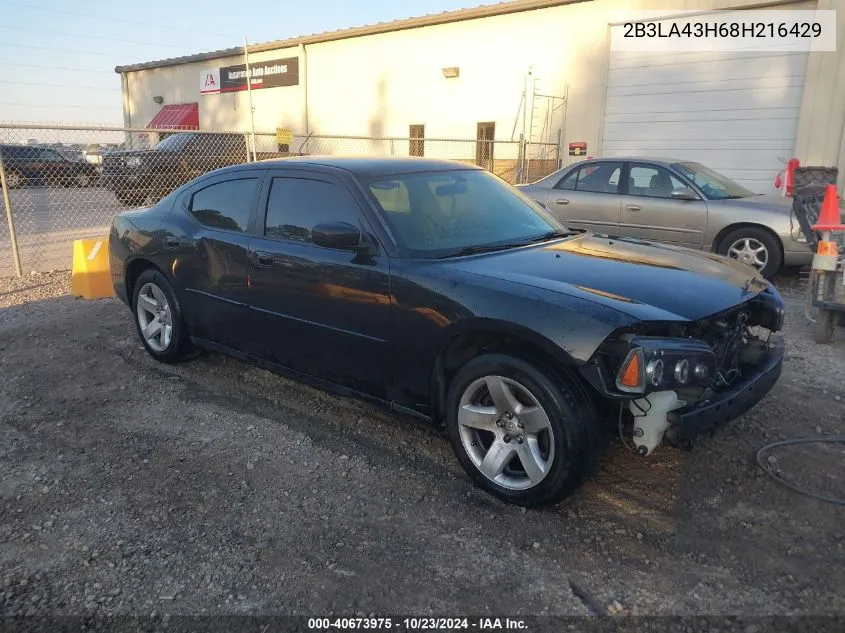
(648, 281)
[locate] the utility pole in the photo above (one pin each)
(249, 93)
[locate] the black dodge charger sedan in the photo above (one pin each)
(440, 291)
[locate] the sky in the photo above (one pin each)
(58, 57)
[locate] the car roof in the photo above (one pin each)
(371, 165)
(640, 159)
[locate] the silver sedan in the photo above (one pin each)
(679, 202)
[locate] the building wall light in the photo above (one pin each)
(451, 72)
(158, 100)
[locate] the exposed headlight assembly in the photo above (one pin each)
(659, 364)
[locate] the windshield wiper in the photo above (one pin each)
(481, 248)
(548, 235)
(487, 248)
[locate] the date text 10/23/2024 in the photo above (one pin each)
(418, 624)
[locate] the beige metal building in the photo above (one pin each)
(465, 74)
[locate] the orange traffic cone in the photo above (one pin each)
(829, 219)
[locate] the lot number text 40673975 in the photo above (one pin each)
(417, 624)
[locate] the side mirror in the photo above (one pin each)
(338, 235)
(682, 193)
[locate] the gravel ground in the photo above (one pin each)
(212, 487)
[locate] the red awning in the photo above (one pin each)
(181, 116)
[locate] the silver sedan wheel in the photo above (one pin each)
(749, 251)
(154, 319)
(506, 432)
(83, 180)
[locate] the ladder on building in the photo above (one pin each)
(537, 111)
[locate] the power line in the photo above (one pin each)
(58, 105)
(50, 85)
(90, 37)
(60, 50)
(81, 70)
(157, 25)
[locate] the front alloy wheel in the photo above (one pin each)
(523, 430)
(749, 251)
(755, 247)
(506, 432)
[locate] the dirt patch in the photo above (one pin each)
(129, 487)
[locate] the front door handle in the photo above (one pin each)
(264, 259)
(632, 207)
(561, 201)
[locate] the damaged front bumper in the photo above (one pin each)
(703, 417)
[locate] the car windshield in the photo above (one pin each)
(712, 184)
(174, 141)
(451, 213)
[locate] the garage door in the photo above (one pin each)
(736, 112)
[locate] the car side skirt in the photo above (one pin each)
(317, 383)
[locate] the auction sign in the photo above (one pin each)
(273, 73)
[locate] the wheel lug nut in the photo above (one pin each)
(507, 438)
(519, 424)
(509, 415)
(499, 423)
(520, 439)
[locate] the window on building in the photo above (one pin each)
(225, 205)
(485, 133)
(417, 134)
(296, 205)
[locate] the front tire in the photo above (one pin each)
(525, 433)
(158, 318)
(754, 247)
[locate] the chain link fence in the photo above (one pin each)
(64, 183)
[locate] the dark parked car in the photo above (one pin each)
(31, 165)
(137, 176)
(440, 291)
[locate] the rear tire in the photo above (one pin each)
(158, 318)
(755, 247)
(522, 431)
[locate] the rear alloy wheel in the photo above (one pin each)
(158, 318)
(526, 434)
(753, 247)
(83, 180)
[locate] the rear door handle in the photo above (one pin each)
(561, 201)
(632, 207)
(264, 259)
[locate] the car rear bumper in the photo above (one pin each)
(701, 418)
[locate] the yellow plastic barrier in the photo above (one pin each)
(91, 278)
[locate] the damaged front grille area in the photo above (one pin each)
(738, 340)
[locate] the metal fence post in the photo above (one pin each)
(246, 144)
(7, 205)
(558, 148)
(520, 160)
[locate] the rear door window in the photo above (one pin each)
(225, 205)
(599, 178)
